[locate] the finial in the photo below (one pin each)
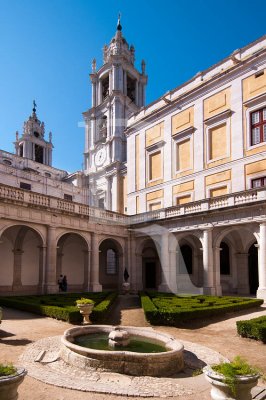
(16, 136)
(50, 137)
(143, 67)
(119, 26)
(93, 65)
(34, 106)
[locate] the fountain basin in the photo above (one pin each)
(164, 363)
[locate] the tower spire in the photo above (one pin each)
(34, 106)
(119, 26)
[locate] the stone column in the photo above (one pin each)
(261, 292)
(42, 253)
(208, 271)
(51, 278)
(17, 284)
(95, 284)
(242, 273)
(218, 287)
(164, 253)
(86, 275)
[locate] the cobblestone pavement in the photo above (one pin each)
(20, 330)
(54, 371)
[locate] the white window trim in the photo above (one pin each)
(149, 153)
(226, 122)
(176, 142)
(219, 185)
(250, 178)
(152, 202)
(257, 106)
(183, 194)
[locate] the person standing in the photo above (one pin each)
(64, 283)
(60, 283)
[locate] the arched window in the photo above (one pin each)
(185, 259)
(224, 259)
(111, 262)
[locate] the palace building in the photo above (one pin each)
(173, 192)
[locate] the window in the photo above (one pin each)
(258, 182)
(183, 155)
(155, 206)
(111, 262)
(24, 185)
(155, 166)
(258, 126)
(39, 153)
(68, 197)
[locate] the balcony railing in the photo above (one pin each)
(40, 200)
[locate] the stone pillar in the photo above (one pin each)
(261, 292)
(17, 284)
(242, 273)
(165, 264)
(86, 274)
(218, 287)
(42, 253)
(208, 271)
(51, 278)
(100, 98)
(95, 284)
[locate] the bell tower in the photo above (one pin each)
(32, 144)
(118, 90)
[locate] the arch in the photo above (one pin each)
(151, 265)
(72, 260)
(81, 234)
(111, 263)
(23, 268)
(25, 224)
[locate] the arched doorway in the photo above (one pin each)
(151, 266)
(253, 269)
(111, 264)
(72, 261)
(22, 264)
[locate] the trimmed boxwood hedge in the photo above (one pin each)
(62, 306)
(169, 309)
(254, 328)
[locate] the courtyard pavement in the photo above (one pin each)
(19, 329)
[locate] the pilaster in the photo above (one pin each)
(261, 292)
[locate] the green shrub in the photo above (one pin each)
(84, 300)
(59, 307)
(254, 328)
(169, 309)
(7, 369)
(101, 310)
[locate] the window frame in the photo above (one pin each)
(107, 272)
(218, 185)
(261, 178)
(149, 153)
(252, 106)
(261, 124)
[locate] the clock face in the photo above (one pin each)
(100, 156)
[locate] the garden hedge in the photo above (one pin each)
(254, 328)
(61, 307)
(169, 309)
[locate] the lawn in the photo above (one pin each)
(170, 309)
(62, 306)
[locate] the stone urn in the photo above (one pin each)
(221, 391)
(126, 287)
(118, 337)
(9, 384)
(85, 310)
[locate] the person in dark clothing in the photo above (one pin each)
(60, 283)
(64, 283)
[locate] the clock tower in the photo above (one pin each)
(118, 90)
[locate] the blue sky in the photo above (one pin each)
(46, 48)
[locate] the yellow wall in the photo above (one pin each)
(218, 177)
(183, 200)
(256, 167)
(155, 165)
(253, 86)
(217, 138)
(154, 134)
(155, 206)
(217, 103)
(137, 161)
(183, 156)
(152, 200)
(157, 194)
(183, 187)
(182, 120)
(218, 191)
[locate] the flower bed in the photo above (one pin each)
(61, 306)
(170, 309)
(254, 328)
